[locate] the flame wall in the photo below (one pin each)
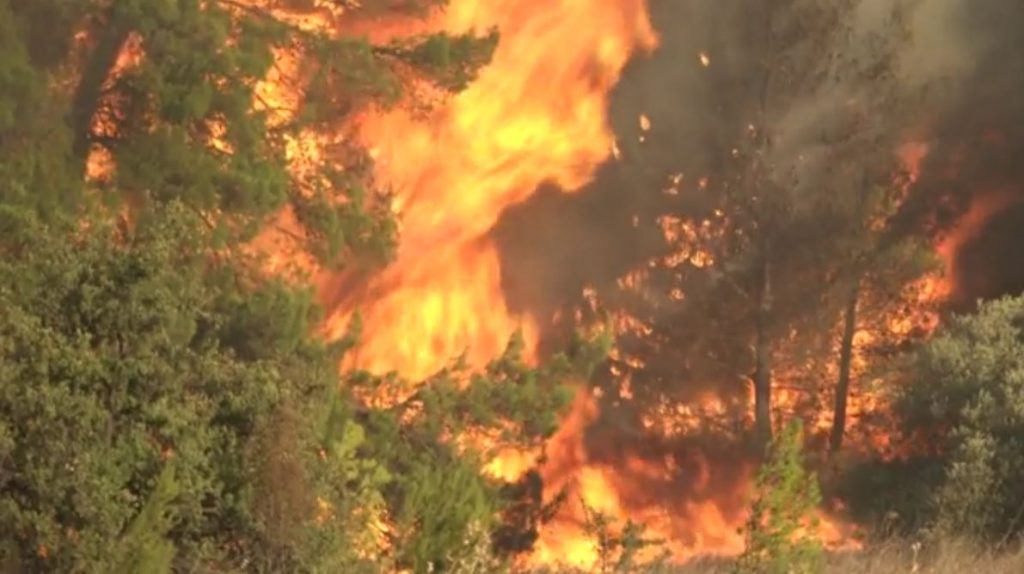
(547, 177)
(676, 113)
(536, 113)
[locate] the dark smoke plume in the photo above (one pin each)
(977, 154)
(967, 58)
(970, 53)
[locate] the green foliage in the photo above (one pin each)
(185, 122)
(968, 393)
(787, 494)
(123, 348)
(452, 61)
(36, 172)
(433, 489)
(144, 547)
(191, 85)
(113, 358)
(620, 553)
(441, 498)
(524, 402)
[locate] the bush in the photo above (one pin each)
(787, 493)
(890, 497)
(969, 393)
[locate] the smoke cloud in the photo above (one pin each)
(957, 85)
(976, 150)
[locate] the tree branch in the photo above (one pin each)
(112, 37)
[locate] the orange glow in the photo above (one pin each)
(982, 207)
(706, 520)
(535, 114)
(99, 165)
(911, 155)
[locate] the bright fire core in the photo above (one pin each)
(536, 114)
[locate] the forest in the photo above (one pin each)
(511, 286)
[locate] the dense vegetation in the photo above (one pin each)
(165, 403)
(166, 406)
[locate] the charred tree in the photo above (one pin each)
(112, 36)
(763, 359)
(845, 361)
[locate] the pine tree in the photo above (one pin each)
(768, 218)
(778, 540)
(145, 547)
(168, 89)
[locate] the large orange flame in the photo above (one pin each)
(980, 210)
(535, 114)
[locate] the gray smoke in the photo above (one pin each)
(958, 79)
(977, 148)
(958, 85)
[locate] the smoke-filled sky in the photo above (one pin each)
(959, 84)
(977, 152)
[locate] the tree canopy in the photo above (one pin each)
(166, 403)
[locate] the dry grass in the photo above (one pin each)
(945, 558)
(894, 557)
(901, 558)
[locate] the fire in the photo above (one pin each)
(535, 114)
(690, 499)
(982, 207)
(99, 165)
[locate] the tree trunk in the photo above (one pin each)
(112, 37)
(845, 359)
(763, 364)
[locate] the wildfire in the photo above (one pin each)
(692, 500)
(99, 164)
(642, 489)
(982, 207)
(536, 114)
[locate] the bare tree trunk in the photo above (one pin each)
(112, 37)
(763, 358)
(845, 359)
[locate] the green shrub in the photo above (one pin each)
(786, 495)
(968, 392)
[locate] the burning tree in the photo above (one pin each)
(823, 96)
(203, 122)
(783, 206)
(174, 99)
